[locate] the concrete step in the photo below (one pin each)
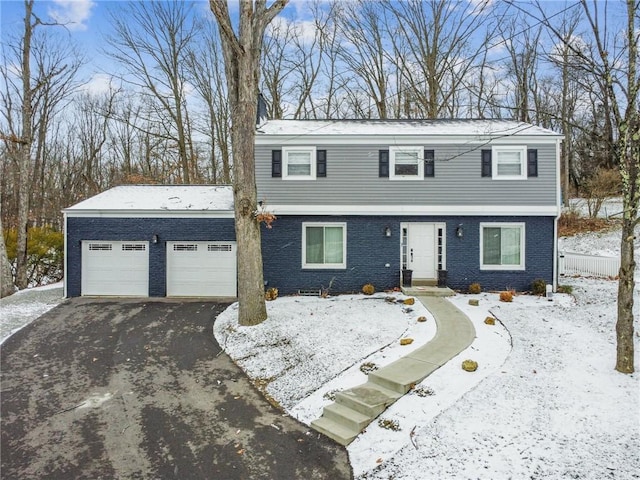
(346, 416)
(369, 399)
(402, 375)
(332, 429)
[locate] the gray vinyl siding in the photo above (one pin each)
(352, 179)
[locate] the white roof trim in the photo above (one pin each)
(423, 210)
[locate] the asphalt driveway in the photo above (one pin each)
(107, 389)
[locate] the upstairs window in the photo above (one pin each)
(406, 163)
(509, 162)
(299, 163)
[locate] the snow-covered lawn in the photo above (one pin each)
(25, 306)
(545, 402)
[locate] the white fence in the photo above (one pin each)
(570, 263)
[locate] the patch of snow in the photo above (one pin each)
(96, 401)
(466, 128)
(24, 306)
(308, 341)
(159, 198)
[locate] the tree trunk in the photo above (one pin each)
(629, 152)
(242, 67)
(626, 283)
(6, 278)
(24, 152)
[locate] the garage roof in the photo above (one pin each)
(156, 199)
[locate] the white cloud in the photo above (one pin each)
(72, 13)
(101, 83)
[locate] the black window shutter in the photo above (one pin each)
(321, 163)
(532, 163)
(429, 163)
(486, 163)
(383, 167)
(276, 163)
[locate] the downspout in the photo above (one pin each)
(558, 213)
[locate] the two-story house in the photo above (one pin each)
(449, 201)
(444, 201)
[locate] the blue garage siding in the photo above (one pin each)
(368, 252)
(140, 229)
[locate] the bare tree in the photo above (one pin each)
(205, 71)
(435, 50)
(242, 66)
(32, 93)
(363, 25)
(613, 58)
(6, 277)
(151, 40)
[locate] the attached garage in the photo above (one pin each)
(201, 269)
(115, 268)
(152, 241)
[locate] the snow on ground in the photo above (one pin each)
(308, 341)
(545, 402)
(24, 306)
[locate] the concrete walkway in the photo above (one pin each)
(355, 408)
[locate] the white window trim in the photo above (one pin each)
(522, 149)
(285, 163)
(324, 266)
(392, 162)
(522, 227)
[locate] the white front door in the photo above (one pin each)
(424, 253)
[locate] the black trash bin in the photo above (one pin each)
(442, 278)
(406, 277)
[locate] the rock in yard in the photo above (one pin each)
(469, 365)
(474, 302)
(409, 301)
(406, 341)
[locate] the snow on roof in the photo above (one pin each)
(457, 127)
(178, 198)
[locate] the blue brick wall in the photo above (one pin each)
(368, 252)
(140, 229)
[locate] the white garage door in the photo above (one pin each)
(201, 269)
(115, 268)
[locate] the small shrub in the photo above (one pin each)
(368, 289)
(565, 289)
(422, 319)
(469, 365)
(409, 301)
(271, 294)
(368, 367)
(490, 321)
(330, 395)
(389, 424)
(475, 288)
(406, 341)
(424, 391)
(539, 287)
(506, 296)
